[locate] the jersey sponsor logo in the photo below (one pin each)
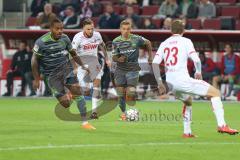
(128, 51)
(64, 52)
(89, 46)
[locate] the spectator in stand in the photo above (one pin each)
(186, 9)
(187, 25)
(37, 7)
(74, 3)
(206, 10)
(130, 2)
(167, 9)
(147, 24)
(44, 19)
(20, 67)
(167, 24)
(134, 17)
(229, 68)
(109, 20)
(208, 67)
(91, 8)
(71, 21)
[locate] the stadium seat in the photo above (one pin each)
(212, 24)
(195, 23)
(231, 11)
(136, 9)
(237, 25)
(117, 9)
(31, 21)
(227, 1)
(95, 21)
(157, 22)
(227, 23)
(150, 10)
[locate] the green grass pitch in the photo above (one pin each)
(29, 130)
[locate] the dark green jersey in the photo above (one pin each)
(129, 48)
(52, 53)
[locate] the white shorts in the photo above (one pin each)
(182, 88)
(84, 78)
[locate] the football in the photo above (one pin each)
(132, 115)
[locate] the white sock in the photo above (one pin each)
(94, 104)
(218, 110)
(84, 122)
(187, 119)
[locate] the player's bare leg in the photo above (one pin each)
(121, 98)
(65, 100)
(131, 95)
(76, 92)
(187, 118)
(95, 98)
(214, 95)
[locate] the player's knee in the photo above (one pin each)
(65, 103)
(120, 91)
(131, 96)
(213, 92)
(96, 92)
(188, 102)
(216, 93)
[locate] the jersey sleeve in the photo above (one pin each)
(115, 48)
(75, 42)
(68, 43)
(192, 54)
(142, 41)
(190, 48)
(37, 48)
(159, 55)
(99, 38)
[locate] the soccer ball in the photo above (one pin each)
(132, 115)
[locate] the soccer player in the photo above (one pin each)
(51, 55)
(126, 53)
(175, 51)
(86, 44)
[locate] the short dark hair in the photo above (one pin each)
(229, 44)
(55, 20)
(177, 27)
(87, 21)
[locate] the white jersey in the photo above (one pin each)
(87, 46)
(175, 52)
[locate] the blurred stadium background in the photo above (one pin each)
(212, 25)
(29, 129)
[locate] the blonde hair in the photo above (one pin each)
(125, 22)
(177, 27)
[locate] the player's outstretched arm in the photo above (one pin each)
(149, 50)
(36, 75)
(78, 60)
(103, 48)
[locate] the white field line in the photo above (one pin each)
(113, 145)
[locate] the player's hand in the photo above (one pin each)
(162, 89)
(150, 60)
(198, 76)
(36, 84)
(108, 62)
(122, 59)
(86, 69)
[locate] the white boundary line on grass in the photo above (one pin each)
(114, 145)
